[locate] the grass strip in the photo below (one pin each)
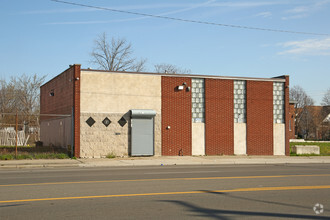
(26, 156)
(324, 148)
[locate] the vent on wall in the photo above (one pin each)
(90, 121)
(122, 121)
(106, 122)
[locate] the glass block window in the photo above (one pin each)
(239, 101)
(278, 102)
(197, 100)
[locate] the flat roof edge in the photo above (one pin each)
(190, 75)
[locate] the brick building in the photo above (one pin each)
(126, 113)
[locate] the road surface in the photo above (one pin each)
(300, 191)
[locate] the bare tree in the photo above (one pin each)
(304, 117)
(21, 95)
(29, 98)
(139, 66)
(298, 94)
(7, 103)
(115, 55)
(27, 93)
(170, 68)
(326, 98)
(7, 97)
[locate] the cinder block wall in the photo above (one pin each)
(99, 140)
(259, 116)
(113, 95)
(219, 117)
(176, 113)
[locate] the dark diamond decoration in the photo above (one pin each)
(90, 121)
(106, 122)
(122, 122)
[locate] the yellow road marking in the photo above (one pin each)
(176, 193)
(164, 179)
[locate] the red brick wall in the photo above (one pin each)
(76, 105)
(176, 113)
(66, 96)
(219, 117)
(259, 116)
(62, 101)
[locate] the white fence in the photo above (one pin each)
(8, 138)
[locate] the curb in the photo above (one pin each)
(22, 166)
(160, 162)
(196, 163)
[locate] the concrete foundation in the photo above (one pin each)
(279, 139)
(240, 138)
(198, 139)
(306, 149)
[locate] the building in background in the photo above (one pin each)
(140, 114)
(312, 122)
(317, 122)
(292, 119)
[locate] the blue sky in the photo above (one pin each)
(44, 37)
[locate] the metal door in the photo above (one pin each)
(142, 133)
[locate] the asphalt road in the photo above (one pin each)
(167, 192)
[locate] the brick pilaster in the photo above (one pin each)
(287, 116)
(76, 106)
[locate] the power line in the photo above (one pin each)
(188, 20)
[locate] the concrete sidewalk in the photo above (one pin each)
(162, 161)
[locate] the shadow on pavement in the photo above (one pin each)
(257, 200)
(228, 214)
(2, 206)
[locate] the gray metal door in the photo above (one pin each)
(142, 132)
